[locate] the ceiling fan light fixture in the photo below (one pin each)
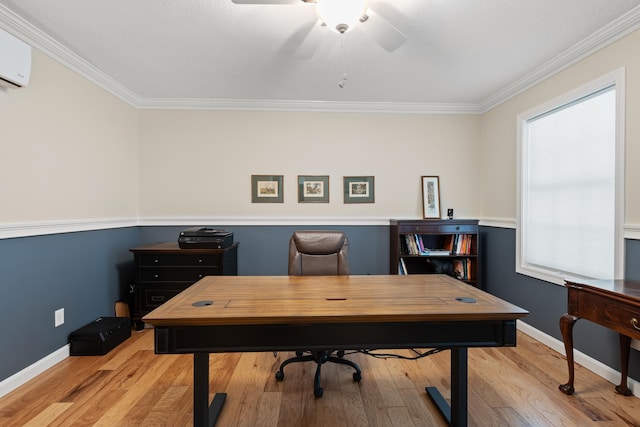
(341, 15)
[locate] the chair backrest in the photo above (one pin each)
(318, 253)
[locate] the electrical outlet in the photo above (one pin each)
(59, 317)
(635, 344)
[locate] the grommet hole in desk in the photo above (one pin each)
(466, 300)
(203, 303)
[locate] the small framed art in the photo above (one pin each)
(266, 189)
(313, 188)
(359, 189)
(431, 197)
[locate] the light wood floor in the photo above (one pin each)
(131, 386)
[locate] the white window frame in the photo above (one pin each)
(617, 80)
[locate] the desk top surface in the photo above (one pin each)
(229, 300)
(628, 289)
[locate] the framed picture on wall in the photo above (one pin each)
(359, 189)
(431, 197)
(266, 189)
(313, 188)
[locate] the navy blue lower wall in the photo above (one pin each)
(546, 302)
(82, 272)
(86, 272)
(264, 250)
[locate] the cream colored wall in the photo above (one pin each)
(69, 150)
(198, 164)
(72, 155)
(498, 129)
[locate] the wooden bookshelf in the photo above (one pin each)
(436, 246)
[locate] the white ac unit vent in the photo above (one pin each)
(15, 61)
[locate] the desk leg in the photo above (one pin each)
(566, 327)
(459, 384)
(456, 414)
(625, 349)
(204, 415)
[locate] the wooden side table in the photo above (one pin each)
(614, 304)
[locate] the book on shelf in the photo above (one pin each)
(437, 252)
(460, 244)
(463, 269)
(402, 268)
(412, 244)
(458, 268)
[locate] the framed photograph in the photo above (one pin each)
(313, 189)
(431, 197)
(266, 189)
(359, 189)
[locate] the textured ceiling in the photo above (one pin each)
(458, 54)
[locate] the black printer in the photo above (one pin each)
(205, 238)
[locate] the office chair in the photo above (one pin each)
(318, 253)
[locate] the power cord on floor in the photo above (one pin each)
(418, 354)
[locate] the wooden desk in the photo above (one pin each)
(614, 304)
(285, 313)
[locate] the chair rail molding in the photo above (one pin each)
(26, 229)
(38, 228)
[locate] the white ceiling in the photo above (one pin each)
(459, 55)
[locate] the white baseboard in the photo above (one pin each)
(32, 371)
(580, 358)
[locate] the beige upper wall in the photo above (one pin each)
(498, 128)
(69, 150)
(196, 164)
(71, 153)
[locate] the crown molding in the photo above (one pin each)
(24, 30)
(310, 106)
(612, 32)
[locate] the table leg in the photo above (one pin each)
(456, 414)
(459, 385)
(204, 415)
(566, 327)
(625, 349)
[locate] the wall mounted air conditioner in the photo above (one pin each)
(15, 61)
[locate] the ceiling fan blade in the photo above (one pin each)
(265, 1)
(304, 42)
(382, 31)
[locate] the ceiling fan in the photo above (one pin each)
(366, 19)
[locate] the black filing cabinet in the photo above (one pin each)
(163, 270)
